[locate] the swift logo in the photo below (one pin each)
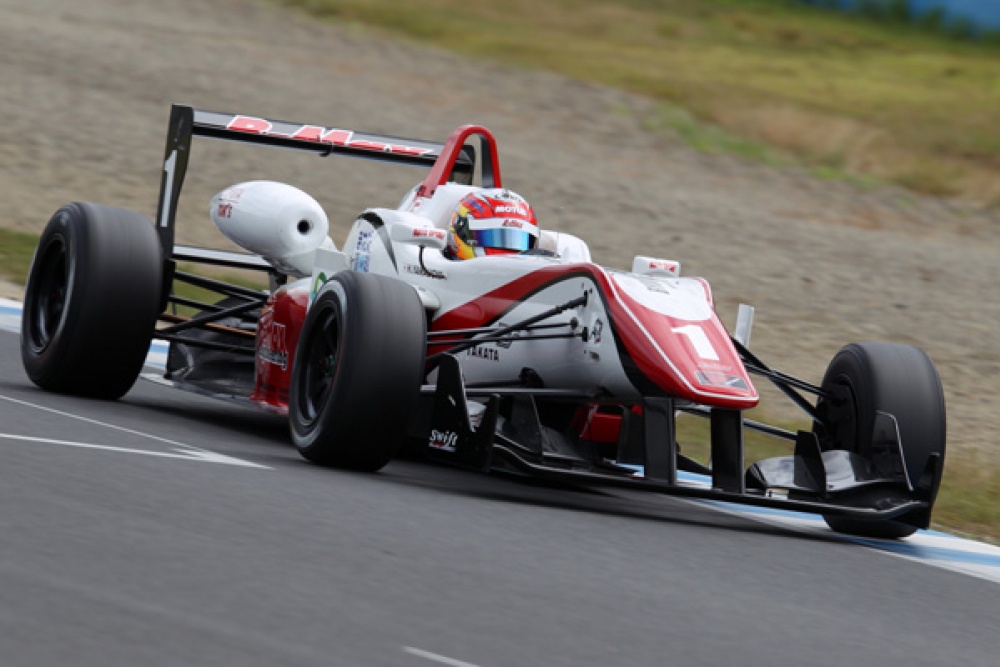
(446, 441)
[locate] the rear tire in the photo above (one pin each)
(92, 299)
(357, 371)
(866, 378)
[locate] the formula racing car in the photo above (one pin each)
(537, 362)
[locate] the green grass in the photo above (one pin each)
(880, 99)
(693, 438)
(969, 500)
(16, 251)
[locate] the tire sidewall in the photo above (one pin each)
(305, 433)
(114, 273)
(851, 411)
(380, 352)
(42, 360)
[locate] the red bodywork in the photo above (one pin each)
(693, 360)
(277, 336)
(659, 347)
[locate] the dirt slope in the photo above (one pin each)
(87, 88)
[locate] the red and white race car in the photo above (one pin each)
(540, 362)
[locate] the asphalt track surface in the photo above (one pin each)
(170, 529)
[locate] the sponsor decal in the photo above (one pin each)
(361, 258)
(513, 223)
(482, 352)
(419, 271)
(232, 195)
(663, 265)
(321, 135)
(227, 200)
(715, 366)
(273, 349)
(320, 280)
(595, 334)
(424, 232)
(518, 209)
(508, 339)
(716, 379)
(446, 441)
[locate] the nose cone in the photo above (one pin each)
(671, 332)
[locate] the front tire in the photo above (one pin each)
(867, 378)
(91, 301)
(357, 371)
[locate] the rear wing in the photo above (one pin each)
(451, 161)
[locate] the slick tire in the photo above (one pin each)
(92, 300)
(357, 371)
(867, 378)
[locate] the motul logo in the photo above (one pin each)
(509, 208)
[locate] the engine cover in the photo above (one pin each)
(277, 221)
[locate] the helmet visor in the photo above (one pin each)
(507, 239)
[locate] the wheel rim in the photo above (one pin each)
(319, 365)
(50, 296)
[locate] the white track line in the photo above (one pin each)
(189, 451)
(436, 657)
(202, 456)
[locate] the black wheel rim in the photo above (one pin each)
(50, 295)
(320, 364)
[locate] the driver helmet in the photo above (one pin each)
(492, 221)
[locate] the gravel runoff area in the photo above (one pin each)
(87, 88)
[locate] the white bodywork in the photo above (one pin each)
(279, 222)
(671, 319)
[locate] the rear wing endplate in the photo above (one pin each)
(450, 161)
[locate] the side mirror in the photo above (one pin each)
(418, 235)
(651, 266)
